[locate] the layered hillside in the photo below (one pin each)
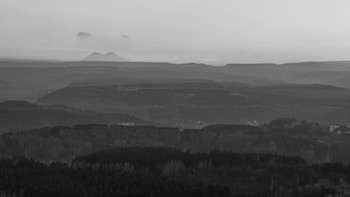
(288, 137)
(31, 80)
(17, 116)
(199, 103)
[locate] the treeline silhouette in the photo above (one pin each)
(151, 156)
(156, 171)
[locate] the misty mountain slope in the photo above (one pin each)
(314, 66)
(343, 81)
(30, 83)
(321, 77)
(253, 80)
(191, 106)
(17, 116)
(32, 80)
(198, 104)
(311, 141)
(303, 72)
(268, 71)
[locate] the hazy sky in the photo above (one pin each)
(210, 31)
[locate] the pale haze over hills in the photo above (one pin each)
(203, 31)
(181, 98)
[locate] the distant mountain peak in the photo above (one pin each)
(96, 53)
(111, 53)
(108, 57)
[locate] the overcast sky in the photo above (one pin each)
(210, 31)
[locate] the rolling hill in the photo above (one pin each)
(17, 116)
(196, 104)
(311, 141)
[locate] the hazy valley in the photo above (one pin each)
(101, 119)
(186, 95)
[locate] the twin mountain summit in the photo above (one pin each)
(108, 57)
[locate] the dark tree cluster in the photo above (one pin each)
(151, 156)
(28, 178)
(156, 171)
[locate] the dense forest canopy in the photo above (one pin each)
(157, 171)
(287, 136)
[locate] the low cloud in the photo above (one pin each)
(125, 36)
(83, 34)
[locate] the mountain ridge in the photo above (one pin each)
(108, 57)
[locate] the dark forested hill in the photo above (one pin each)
(16, 116)
(311, 141)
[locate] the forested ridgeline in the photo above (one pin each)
(151, 156)
(147, 171)
(18, 116)
(286, 136)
